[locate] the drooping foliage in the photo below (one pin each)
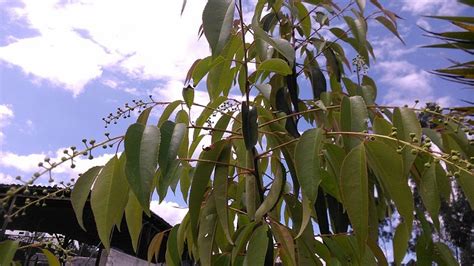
(304, 168)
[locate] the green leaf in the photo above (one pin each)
(52, 260)
(454, 18)
(207, 234)
(202, 68)
(282, 46)
(155, 246)
(308, 169)
(354, 118)
(357, 29)
(257, 248)
(430, 194)
(8, 249)
(134, 215)
(318, 82)
(390, 26)
(304, 18)
(443, 255)
(142, 144)
(241, 240)
(221, 125)
(276, 65)
(81, 191)
(354, 190)
(466, 181)
(265, 89)
(400, 242)
(108, 198)
(188, 95)
(387, 165)
(284, 238)
(307, 161)
(406, 122)
(143, 117)
(171, 137)
(217, 19)
(168, 111)
(361, 4)
(200, 182)
(220, 189)
(274, 194)
(173, 258)
(249, 125)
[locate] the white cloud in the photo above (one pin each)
(390, 48)
(169, 211)
(432, 7)
(406, 83)
(6, 114)
(79, 39)
(27, 165)
(8, 179)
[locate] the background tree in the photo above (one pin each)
(303, 169)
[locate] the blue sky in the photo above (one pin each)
(66, 64)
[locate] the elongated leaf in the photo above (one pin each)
(390, 26)
(355, 191)
(430, 194)
(274, 193)
(242, 239)
(221, 125)
(188, 95)
(108, 198)
(361, 4)
(466, 181)
(400, 242)
(142, 144)
(220, 189)
(284, 238)
(173, 258)
(249, 125)
(318, 82)
(168, 111)
(308, 169)
(443, 255)
(307, 161)
(387, 165)
(52, 260)
(200, 182)
(143, 117)
(265, 90)
(207, 233)
(134, 215)
(406, 122)
(217, 19)
(154, 246)
(81, 191)
(304, 18)
(354, 118)
(276, 65)
(202, 68)
(257, 248)
(8, 249)
(171, 137)
(282, 46)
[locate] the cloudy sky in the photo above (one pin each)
(65, 64)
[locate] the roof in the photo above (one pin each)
(58, 217)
